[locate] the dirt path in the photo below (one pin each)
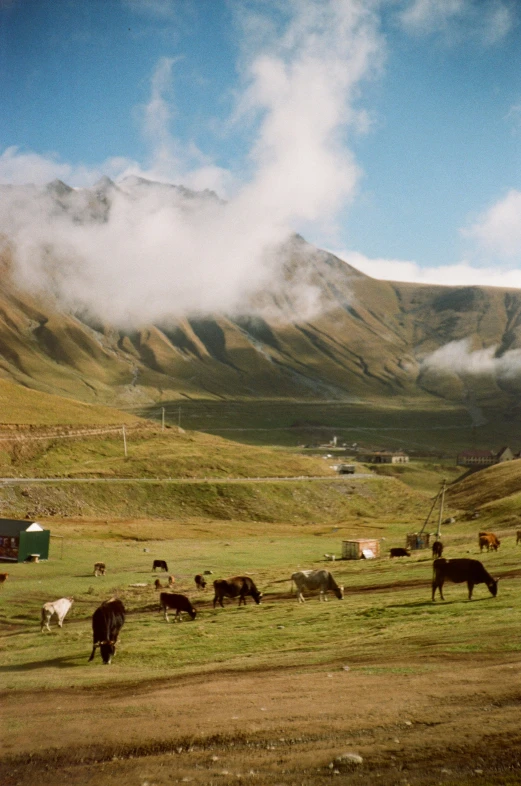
(448, 721)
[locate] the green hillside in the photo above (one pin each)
(365, 342)
(22, 406)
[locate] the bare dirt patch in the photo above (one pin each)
(450, 720)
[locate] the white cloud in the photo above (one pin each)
(459, 358)
(156, 256)
(18, 167)
(425, 16)
(488, 21)
(498, 230)
(457, 274)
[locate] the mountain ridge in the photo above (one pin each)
(357, 338)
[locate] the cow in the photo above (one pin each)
(489, 541)
(399, 552)
(158, 585)
(518, 539)
(200, 582)
(3, 578)
(59, 607)
(99, 568)
(171, 581)
(179, 603)
(107, 621)
(237, 586)
(161, 564)
(459, 570)
(316, 580)
(437, 549)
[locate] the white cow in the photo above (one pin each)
(59, 607)
(316, 580)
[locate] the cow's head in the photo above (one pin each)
(107, 651)
(192, 613)
(257, 597)
(339, 592)
(492, 585)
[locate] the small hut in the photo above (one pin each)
(364, 548)
(23, 541)
(417, 540)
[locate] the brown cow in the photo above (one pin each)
(178, 603)
(171, 581)
(518, 536)
(459, 570)
(399, 552)
(158, 585)
(3, 577)
(437, 549)
(200, 582)
(238, 586)
(99, 568)
(489, 541)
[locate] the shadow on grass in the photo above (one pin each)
(69, 662)
(432, 604)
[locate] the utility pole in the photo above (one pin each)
(125, 442)
(442, 496)
(179, 418)
(162, 418)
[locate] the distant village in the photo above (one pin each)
(466, 458)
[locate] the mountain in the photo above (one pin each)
(361, 339)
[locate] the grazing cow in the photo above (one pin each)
(107, 622)
(99, 568)
(200, 582)
(399, 552)
(177, 603)
(59, 607)
(518, 537)
(158, 585)
(316, 580)
(489, 541)
(161, 564)
(437, 549)
(3, 577)
(238, 586)
(459, 570)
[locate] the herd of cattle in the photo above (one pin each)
(109, 617)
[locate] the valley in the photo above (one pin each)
(212, 441)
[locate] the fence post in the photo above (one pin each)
(125, 442)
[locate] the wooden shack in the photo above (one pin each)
(23, 541)
(417, 540)
(363, 548)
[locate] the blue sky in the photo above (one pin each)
(387, 131)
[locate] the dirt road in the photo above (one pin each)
(453, 720)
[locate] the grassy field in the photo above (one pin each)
(423, 428)
(68, 720)
(372, 624)
(21, 406)
(151, 453)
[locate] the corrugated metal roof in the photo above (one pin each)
(13, 527)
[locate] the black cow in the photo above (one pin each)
(437, 549)
(200, 582)
(161, 564)
(459, 570)
(177, 603)
(399, 552)
(240, 586)
(107, 622)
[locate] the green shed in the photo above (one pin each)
(21, 540)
